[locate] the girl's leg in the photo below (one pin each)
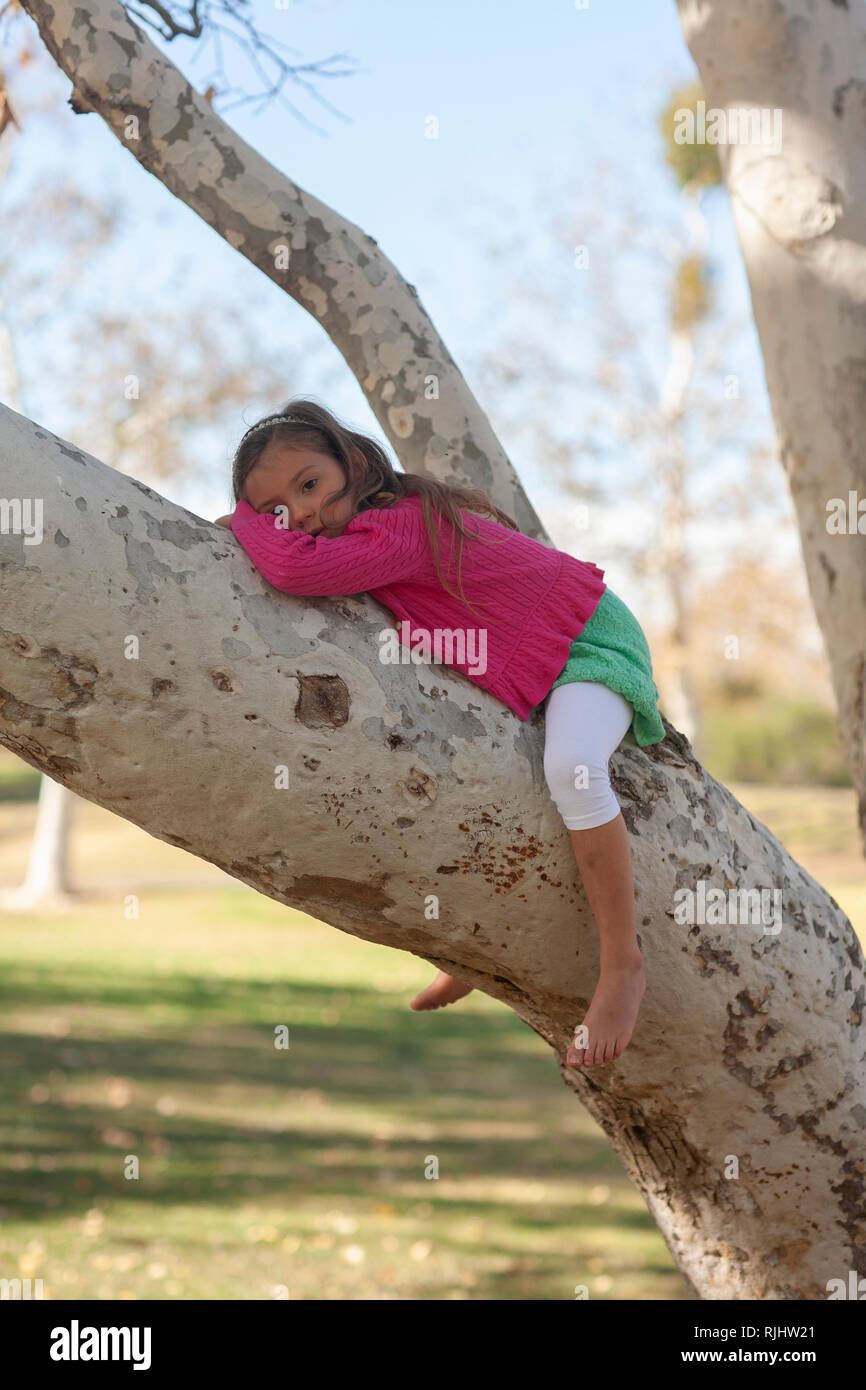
(585, 722)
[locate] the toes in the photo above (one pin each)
(595, 1053)
(577, 1055)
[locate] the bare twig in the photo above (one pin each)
(274, 62)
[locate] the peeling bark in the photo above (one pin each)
(409, 781)
(335, 271)
(800, 215)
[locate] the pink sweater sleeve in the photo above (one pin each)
(378, 547)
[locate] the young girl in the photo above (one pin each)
(320, 510)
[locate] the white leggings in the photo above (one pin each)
(584, 722)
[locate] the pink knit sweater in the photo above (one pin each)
(530, 601)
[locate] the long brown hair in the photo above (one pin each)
(371, 480)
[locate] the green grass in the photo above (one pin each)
(18, 780)
(760, 736)
(299, 1169)
(263, 1170)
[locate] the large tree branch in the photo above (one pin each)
(416, 815)
(332, 268)
(748, 1044)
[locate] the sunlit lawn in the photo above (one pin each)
(263, 1170)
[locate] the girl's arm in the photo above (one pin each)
(378, 547)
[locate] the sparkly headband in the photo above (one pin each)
(274, 420)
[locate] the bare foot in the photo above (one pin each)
(444, 990)
(611, 1016)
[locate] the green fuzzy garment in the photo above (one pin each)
(613, 650)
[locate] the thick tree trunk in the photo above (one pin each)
(333, 269)
(800, 214)
(46, 887)
(185, 692)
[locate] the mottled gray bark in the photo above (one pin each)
(332, 268)
(147, 665)
(800, 213)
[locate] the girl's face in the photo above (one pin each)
(302, 481)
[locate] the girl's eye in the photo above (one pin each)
(311, 482)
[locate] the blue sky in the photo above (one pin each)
(528, 99)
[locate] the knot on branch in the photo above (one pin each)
(323, 702)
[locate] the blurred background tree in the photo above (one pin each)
(661, 428)
(141, 390)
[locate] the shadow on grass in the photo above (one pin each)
(375, 1057)
(352, 1110)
